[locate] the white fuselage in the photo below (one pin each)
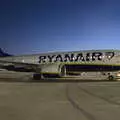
(93, 56)
(54, 62)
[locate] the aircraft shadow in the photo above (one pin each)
(51, 80)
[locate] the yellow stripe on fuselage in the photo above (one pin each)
(82, 63)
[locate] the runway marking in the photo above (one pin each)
(98, 96)
(76, 106)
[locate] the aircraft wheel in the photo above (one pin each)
(37, 76)
(111, 78)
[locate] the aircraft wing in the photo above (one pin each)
(18, 66)
(17, 63)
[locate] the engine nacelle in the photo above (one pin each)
(50, 70)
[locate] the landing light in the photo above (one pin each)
(118, 74)
(23, 61)
(109, 56)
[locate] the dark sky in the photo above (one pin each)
(33, 26)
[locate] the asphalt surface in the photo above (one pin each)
(23, 100)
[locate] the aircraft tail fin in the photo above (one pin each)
(3, 54)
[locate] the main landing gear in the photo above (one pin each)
(37, 76)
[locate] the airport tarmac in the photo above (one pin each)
(21, 100)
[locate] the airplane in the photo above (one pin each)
(65, 64)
